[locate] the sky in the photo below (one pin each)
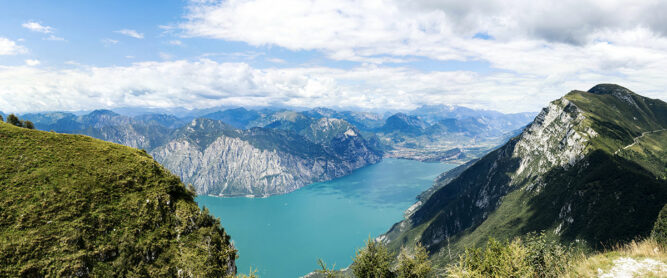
(510, 56)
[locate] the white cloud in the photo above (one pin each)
(276, 60)
(205, 83)
(528, 35)
(9, 47)
(37, 27)
(544, 44)
(130, 33)
(54, 38)
(31, 62)
(108, 42)
(175, 42)
(542, 49)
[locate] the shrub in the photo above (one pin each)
(29, 125)
(535, 256)
(327, 272)
(12, 119)
(415, 264)
(546, 256)
(659, 232)
(372, 261)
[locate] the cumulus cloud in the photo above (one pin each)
(130, 33)
(37, 27)
(9, 47)
(206, 83)
(380, 31)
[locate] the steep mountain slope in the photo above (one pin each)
(590, 167)
(72, 205)
(221, 160)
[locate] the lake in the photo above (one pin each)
(284, 235)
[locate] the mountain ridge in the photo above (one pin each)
(558, 175)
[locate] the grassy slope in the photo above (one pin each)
(604, 262)
(72, 205)
(612, 197)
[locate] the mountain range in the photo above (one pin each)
(591, 168)
(219, 159)
(241, 152)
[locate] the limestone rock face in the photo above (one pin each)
(238, 165)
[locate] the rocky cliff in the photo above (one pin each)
(258, 161)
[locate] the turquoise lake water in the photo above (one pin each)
(283, 236)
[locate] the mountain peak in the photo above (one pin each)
(609, 89)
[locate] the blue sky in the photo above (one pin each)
(89, 32)
(511, 56)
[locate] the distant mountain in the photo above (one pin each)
(457, 119)
(364, 121)
(403, 123)
(590, 167)
(237, 117)
(429, 137)
(74, 206)
(221, 160)
(425, 133)
(436, 113)
(144, 132)
(166, 120)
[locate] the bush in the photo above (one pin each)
(29, 125)
(372, 261)
(415, 264)
(12, 119)
(327, 272)
(659, 232)
(546, 256)
(535, 256)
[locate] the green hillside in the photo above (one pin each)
(72, 205)
(590, 169)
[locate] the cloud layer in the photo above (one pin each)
(206, 83)
(537, 50)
